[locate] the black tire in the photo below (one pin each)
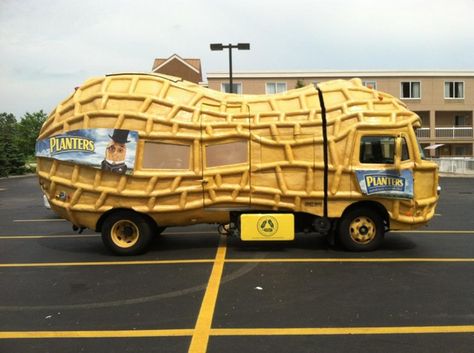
(361, 229)
(158, 230)
(127, 233)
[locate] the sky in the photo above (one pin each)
(48, 47)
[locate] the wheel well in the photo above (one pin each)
(376, 206)
(100, 222)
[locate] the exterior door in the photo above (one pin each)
(225, 151)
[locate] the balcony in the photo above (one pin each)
(445, 132)
(423, 133)
(453, 132)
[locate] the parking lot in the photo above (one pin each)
(197, 291)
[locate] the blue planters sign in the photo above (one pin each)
(386, 183)
(111, 150)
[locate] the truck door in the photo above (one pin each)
(383, 167)
(225, 150)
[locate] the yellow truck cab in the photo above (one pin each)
(128, 155)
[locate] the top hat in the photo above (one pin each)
(120, 136)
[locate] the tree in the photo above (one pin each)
(28, 131)
(12, 161)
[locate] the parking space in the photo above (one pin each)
(195, 291)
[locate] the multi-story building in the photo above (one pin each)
(443, 99)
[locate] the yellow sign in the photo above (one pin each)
(273, 226)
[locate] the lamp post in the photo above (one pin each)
(239, 46)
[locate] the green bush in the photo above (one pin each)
(17, 142)
(28, 130)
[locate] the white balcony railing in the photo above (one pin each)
(455, 165)
(445, 132)
(423, 132)
(453, 132)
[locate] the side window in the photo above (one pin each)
(165, 156)
(405, 155)
(226, 154)
(380, 150)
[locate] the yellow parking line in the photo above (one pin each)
(307, 331)
(108, 263)
(94, 334)
(214, 232)
(2, 237)
(202, 330)
(389, 330)
(7, 237)
(351, 260)
(434, 231)
(39, 220)
(249, 260)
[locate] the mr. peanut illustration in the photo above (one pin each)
(115, 152)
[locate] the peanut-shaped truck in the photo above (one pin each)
(128, 155)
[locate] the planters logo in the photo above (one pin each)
(377, 183)
(61, 144)
(386, 183)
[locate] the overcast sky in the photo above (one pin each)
(47, 47)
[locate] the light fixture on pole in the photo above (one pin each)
(239, 46)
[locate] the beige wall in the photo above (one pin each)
(447, 118)
(252, 86)
(432, 89)
(433, 108)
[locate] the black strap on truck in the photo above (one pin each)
(325, 152)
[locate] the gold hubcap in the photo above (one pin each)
(125, 234)
(362, 230)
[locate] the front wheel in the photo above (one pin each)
(127, 233)
(361, 229)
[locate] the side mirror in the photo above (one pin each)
(398, 153)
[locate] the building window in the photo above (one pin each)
(410, 90)
(166, 156)
(226, 154)
(454, 90)
(460, 120)
(380, 150)
(275, 87)
(370, 84)
(236, 88)
(460, 151)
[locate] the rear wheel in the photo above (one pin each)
(158, 230)
(361, 229)
(127, 233)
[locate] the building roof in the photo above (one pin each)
(342, 73)
(193, 64)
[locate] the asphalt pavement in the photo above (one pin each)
(196, 291)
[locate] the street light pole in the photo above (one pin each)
(231, 82)
(239, 46)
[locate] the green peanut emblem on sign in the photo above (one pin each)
(267, 226)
